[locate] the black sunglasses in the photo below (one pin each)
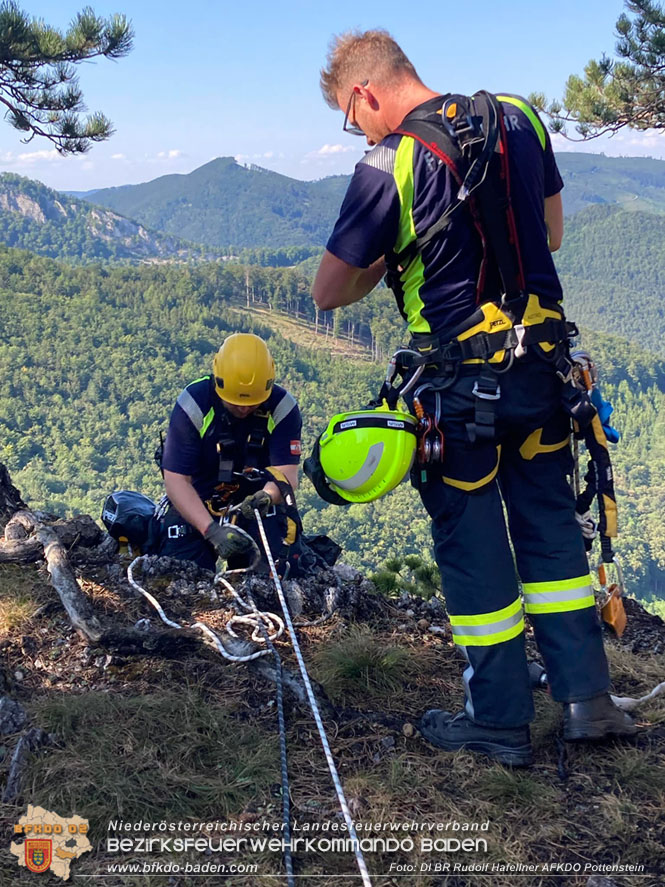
(352, 128)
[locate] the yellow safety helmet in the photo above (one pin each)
(244, 370)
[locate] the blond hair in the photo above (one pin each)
(362, 55)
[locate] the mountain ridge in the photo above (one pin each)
(224, 203)
(62, 226)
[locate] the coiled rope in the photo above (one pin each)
(270, 627)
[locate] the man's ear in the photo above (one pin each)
(368, 96)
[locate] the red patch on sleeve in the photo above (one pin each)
(296, 448)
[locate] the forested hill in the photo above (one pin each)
(634, 183)
(612, 266)
(84, 418)
(35, 217)
(226, 204)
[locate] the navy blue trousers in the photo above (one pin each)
(524, 468)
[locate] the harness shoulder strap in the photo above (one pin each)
(468, 135)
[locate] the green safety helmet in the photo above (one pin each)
(362, 455)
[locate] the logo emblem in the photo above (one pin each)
(38, 854)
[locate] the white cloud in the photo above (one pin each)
(172, 154)
(327, 150)
(332, 158)
(29, 158)
(118, 157)
(246, 158)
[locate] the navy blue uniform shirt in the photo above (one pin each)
(199, 420)
(368, 225)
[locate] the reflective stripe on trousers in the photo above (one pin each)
(558, 597)
(485, 629)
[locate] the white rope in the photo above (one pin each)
(274, 624)
(364, 874)
(627, 703)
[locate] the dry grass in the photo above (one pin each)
(22, 594)
(302, 333)
(196, 740)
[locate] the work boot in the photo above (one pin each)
(595, 719)
(508, 745)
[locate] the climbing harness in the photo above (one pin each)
(468, 136)
(599, 481)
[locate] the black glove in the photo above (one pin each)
(261, 501)
(229, 540)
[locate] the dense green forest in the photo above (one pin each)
(612, 266)
(92, 359)
(224, 203)
(634, 183)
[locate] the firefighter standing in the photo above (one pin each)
(506, 432)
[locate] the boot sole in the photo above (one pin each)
(518, 756)
(594, 732)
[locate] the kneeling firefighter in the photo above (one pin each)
(458, 201)
(232, 446)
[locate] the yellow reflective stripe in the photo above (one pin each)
(611, 515)
(530, 113)
(414, 276)
(488, 618)
(561, 606)
(489, 640)
(599, 431)
(533, 445)
(207, 419)
(558, 597)
(271, 424)
(403, 173)
(476, 484)
(559, 585)
(486, 629)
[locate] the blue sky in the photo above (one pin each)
(210, 79)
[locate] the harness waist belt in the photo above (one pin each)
(482, 346)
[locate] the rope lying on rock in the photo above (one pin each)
(267, 627)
